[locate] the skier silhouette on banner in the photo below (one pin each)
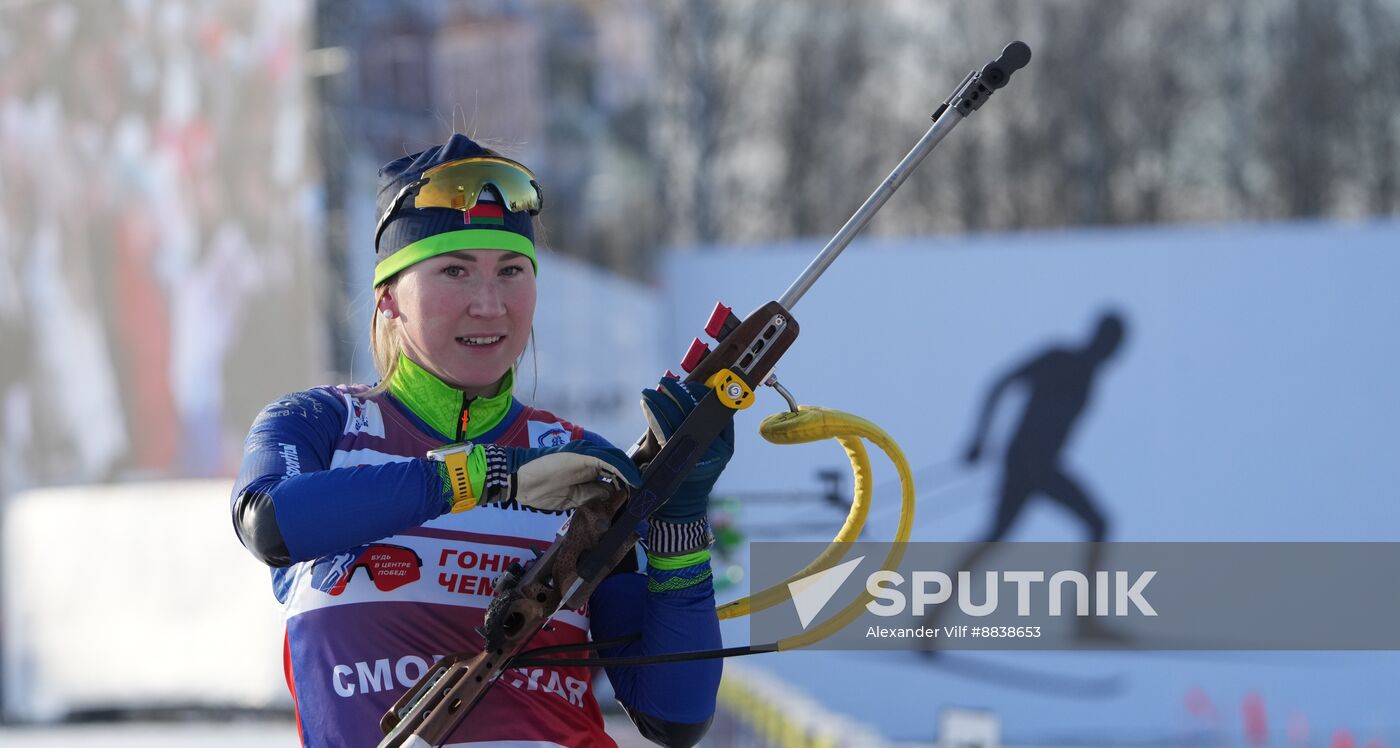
(1059, 382)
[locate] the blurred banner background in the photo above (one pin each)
(186, 212)
(162, 264)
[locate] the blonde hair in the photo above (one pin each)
(385, 345)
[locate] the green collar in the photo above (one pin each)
(442, 406)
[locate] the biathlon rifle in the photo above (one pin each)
(599, 535)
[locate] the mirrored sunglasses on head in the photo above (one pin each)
(457, 184)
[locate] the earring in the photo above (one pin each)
(386, 313)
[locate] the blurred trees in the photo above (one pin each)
(774, 120)
(676, 123)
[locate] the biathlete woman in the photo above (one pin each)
(386, 512)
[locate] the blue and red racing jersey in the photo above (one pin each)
(377, 582)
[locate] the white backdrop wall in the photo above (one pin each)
(1254, 399)
(595, 346)
(134, 596)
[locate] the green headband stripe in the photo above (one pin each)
(452, 241)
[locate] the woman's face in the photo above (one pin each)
(465, 316)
